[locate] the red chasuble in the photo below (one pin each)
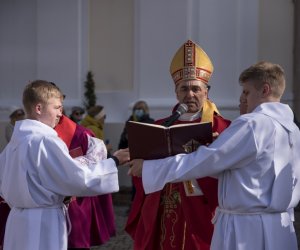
(170, 219)
(4, 211)
(92, 218)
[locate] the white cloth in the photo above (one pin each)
(36, 173)
(257, 161)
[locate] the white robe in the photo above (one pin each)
(36, 173)
(257, 162)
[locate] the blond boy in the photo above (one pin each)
(36, 173)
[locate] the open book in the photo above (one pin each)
(152, 141)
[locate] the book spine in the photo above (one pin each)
(169, 142)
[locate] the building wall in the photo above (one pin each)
(129, 44)
(276, 38)
(234, 34)
(2, 135)
(129, 51)
(41, 39)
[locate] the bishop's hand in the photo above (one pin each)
(136, 167)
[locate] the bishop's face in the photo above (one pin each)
(193, 93)
(50, 112)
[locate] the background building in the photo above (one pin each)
(128, 45)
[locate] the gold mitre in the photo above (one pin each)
(191, 63)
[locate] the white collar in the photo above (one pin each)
(190, 116)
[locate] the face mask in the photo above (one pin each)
(138, 113)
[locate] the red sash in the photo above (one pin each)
(66, 129)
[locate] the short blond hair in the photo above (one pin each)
(39, 91)
(265, 72)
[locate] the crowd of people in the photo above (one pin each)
(58, 172)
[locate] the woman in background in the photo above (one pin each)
(140, 113)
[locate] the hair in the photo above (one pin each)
(39, 91)
(143, 105)
(77, 109)
(265, 72)
(17, 114)
(94, 110)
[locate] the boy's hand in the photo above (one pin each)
(122, 155)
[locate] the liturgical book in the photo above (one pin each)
(152, 141)
(76, 152)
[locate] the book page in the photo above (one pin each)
(188, 124)
(172, 126)
(149, 124)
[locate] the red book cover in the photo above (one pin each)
(76, 152)
(152, 141)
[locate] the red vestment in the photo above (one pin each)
(92, 218)
(4, 211)
(169, 219)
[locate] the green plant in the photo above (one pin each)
(89, 94)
